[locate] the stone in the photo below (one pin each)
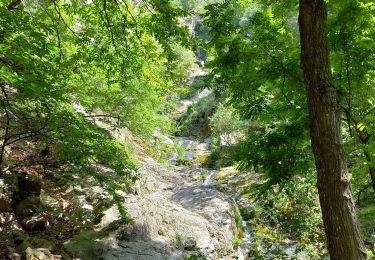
(35, 223)
(13, 254)
(109, 216)
(38, 254)
(178, 204)
(190, 243)
(48, 201)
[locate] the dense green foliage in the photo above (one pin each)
(254, 50)
(70, 71)
(194, 121)
(75, 74)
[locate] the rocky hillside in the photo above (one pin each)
(172, 212)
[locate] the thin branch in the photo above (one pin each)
(282, 92)
(280, 64)
(5, 104)
(34, 164)
(369, 112)
(360, 192)
(13, 5)
(57, 9)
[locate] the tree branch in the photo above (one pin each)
(13, 5)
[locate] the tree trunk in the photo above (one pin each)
(335, 194)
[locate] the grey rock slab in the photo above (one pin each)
(151, 250)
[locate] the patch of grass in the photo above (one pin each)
(236, 241)
(238, 219)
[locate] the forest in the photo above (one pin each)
(187, 129)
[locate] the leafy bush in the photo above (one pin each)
(293, 212)
(195, 121)
(279, 149)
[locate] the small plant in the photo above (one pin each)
(180, 152)
(236, 241)
(238, 219)
(198, 256)
(178, 238)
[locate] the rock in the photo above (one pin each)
(109, 216)
(27, 207)
(178, 208)
(153, 250)
(12, 254)
(35, 223)
(190, 243)
(39, 254)
(162, 138)
(48, 201)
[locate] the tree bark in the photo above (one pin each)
(335, 194)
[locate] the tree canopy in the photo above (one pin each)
(78, 77)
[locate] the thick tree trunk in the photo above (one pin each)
(335, 194)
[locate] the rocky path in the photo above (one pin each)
(175, 217)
